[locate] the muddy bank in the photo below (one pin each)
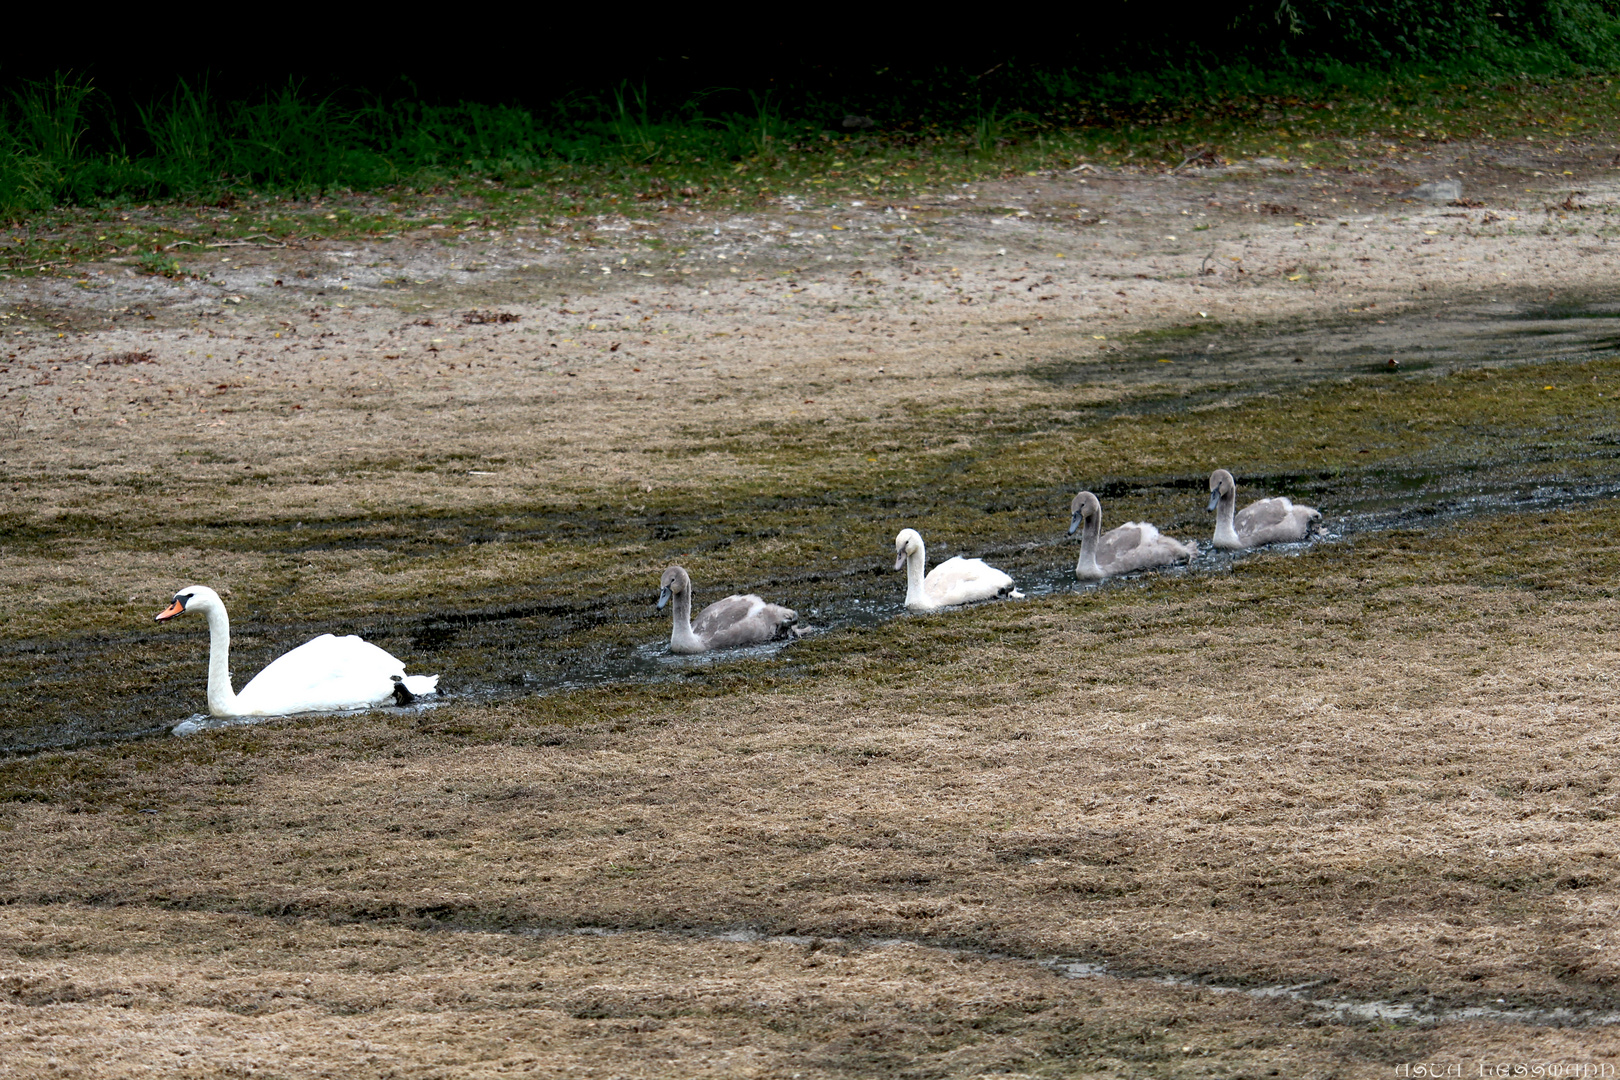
(493, 640)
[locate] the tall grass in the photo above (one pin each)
(40, 141)
(640, 140)
(758, 132)
(64, 142)
(61, 142)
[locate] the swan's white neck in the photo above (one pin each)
(681, 638)
(221, 698)
(915, 560)
(1226, 536)
(1086, 569)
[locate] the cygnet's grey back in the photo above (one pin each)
(742, 620)
(1275, 521)
(1116, 546)
(1263, 516)
(1138, 547)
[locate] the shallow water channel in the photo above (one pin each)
(1316, 996)
(494, 652)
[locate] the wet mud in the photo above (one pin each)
(1315, 995)
(1203, 361)
(106, 687)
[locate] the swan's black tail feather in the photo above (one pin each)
(402, 696)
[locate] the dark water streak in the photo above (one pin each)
(501, 652)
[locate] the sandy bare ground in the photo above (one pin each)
(1383, 768)
(838, 313)
(328, 394)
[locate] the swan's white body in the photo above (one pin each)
(326, 674)
(954, 581)
(1133, 546)
(724, 624)
(1265, 521)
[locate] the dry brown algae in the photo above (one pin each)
(1381, 766)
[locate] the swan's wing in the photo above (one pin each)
(961, 581)
(1273, 521)
(741, 620)
(1137, 546)
(324, 673)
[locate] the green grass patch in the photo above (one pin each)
(293, 165)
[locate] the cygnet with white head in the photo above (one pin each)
(954, 581)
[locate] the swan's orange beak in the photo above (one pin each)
(171, 611)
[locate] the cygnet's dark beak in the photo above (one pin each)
(1214, 498)
(663, 597)
(900, 560)
(1074, 524)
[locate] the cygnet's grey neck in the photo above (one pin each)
(1090, 531)
(1226, 536)
(682, 639)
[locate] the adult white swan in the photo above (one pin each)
(1132, 546)
(322, 675)
(954, 581)
(736, 620)
(1265, 521)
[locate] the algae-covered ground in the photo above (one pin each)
(1377, 769)
(514, 589)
